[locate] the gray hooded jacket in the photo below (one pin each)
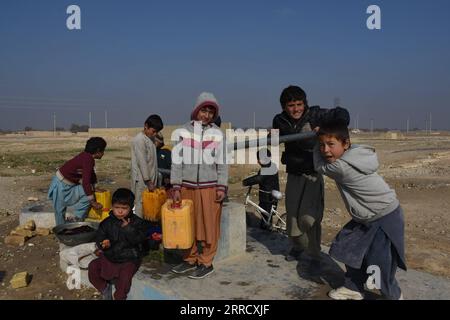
(365, 193)
(198, 157)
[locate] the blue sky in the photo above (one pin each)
(135, 58)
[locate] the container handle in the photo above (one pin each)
(176, 205)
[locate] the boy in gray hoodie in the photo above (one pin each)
(374, 239)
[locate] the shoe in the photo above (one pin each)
(344, 293)
(293, 255)
(183, 268)
(201, 272)
(107, 293)
(315, 266)
(74, 219)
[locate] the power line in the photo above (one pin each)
(39, 108)
(41, 99)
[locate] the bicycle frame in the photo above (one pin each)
(266, 216)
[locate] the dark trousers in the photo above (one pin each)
(383, 254)
(101, 271)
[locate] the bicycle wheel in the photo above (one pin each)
(279, 223)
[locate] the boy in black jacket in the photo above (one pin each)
(304, 187)
(121, 245)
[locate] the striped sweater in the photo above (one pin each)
(198, 157)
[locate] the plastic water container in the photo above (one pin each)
(103, 197)
(162, 195)
(152, 202)
(178, 225)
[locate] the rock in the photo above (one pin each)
(22, 232)
(42, 231)
(33, 199)
(33, 171)
(4, 213)
(336, 211)
(15, 240)
(20, 280)
(30, 225)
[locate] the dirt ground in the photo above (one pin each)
(417, 167)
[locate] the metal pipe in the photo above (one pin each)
(268, 141)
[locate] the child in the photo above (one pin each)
(65, 189)
(266, 182)
(120, 241)
(204, 183)
(304, 187)
(144, 165)
(374, 236)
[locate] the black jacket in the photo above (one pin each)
(164, 162)
(164, 158)
(298, 156)
(266, 183)
(127, 243)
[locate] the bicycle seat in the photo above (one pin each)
(277, 194)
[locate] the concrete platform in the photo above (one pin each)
(257, 270)
(262, 273)
(42, 213)
(233, 225)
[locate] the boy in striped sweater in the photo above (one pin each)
(199, 173)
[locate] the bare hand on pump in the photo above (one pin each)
(96, 205)
(176, 196)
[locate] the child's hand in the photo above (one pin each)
(316, 129)
(220, 195)
(98, 252)
(150, 186)
(176, 196)
(125, 222)
(96, 205)
(106, 244)
(156, 236)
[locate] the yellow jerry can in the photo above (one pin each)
(103, 197)
(162, 195)
(178, 225)
(152, 202)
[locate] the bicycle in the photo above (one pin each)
(273, 220)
